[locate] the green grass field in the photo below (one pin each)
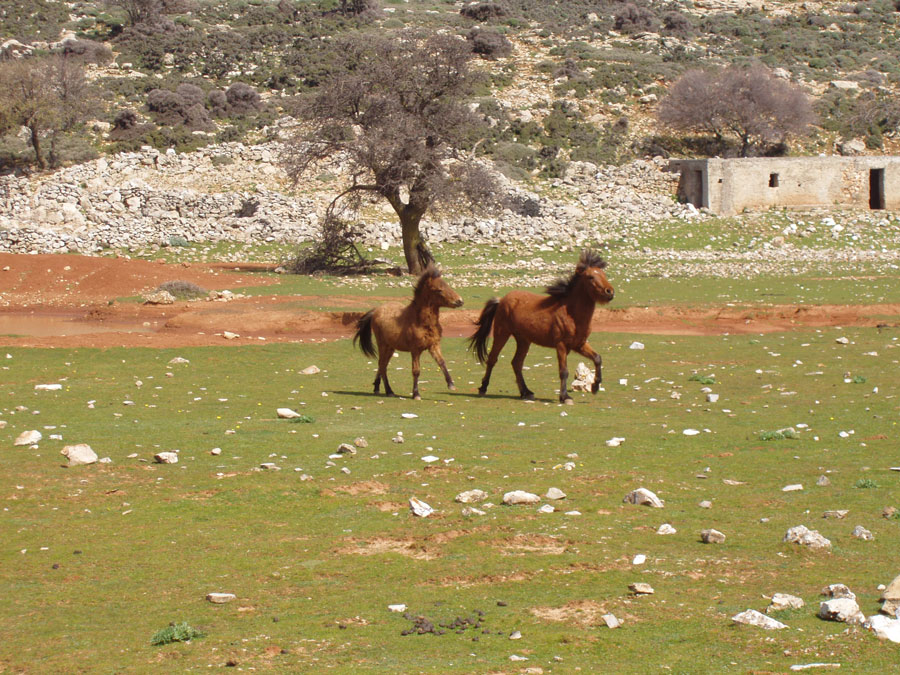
(96, 559)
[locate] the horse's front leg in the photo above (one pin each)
(522, 346)
(587, 351)
(562, 355)
(435, 351)
(416, 369)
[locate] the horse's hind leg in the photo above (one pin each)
(416, 370)
(562, 354)
(522, 347)
(500, 340)
(384, 356)
(435, 351)
(587, 351)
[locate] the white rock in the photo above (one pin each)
(838, 591)
(859, 532)
(166, 457)
(270, 466)
(782, 601)
(751, 617)
(216, 451)
(397, 608)
(408, 416)
(346, 449)
(809, 666)
(159, 298)
(615, 442)
(891, 598)
(844, 610)
(428, 459)
(471, 496)
(712, 398)
(884, 627)
(28, 437)
(690, 432)
(796, 487)
(220, 598)
(643, 496)
(636, 345)
(610, 620)
(805, 537)
(420, 508)
(712, 537)
(472, 511)
(665, 528)
(47, 387)
(79, 454)
(839, 514)
(310, 370)
(842, 341)
(287, 413)
(822, 481)
(546, 508)
(520, 497)
(705, 504)
(228, 335)
(641, 588)
(554, 493)
(639, 559)
(177, 360)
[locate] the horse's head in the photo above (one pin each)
(590, 270)
(432, 289)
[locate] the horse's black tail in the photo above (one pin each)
(478, 342)
(364, 334)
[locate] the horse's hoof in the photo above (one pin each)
(568, 401)
(451, 387)
(482, 392)
(528, 397)
(416, 397)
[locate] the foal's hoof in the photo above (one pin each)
(529, 396)
(482, 392)
(568, 401)
(416, 397)
(451, 387)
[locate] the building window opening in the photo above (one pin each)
(773, 180)
(876, 189)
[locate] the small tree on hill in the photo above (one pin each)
(750, 104)
(394, 117)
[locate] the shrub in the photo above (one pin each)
(88, 51)
(489, 43)
(191, 94)
(217, 102)
(182, 290)
(167, 106)
(865, 483)
(483, 11)
(175, 632)
(242, 98)
(634, 19)
(676, 23)
(196, 117)
(125, 120)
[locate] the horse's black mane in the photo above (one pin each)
(431, 272)
(562, 287)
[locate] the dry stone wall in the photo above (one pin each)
(235, 192)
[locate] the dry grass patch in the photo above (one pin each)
(465, 582)
(532, 543)
(581, 613)
(366, 487)
(411, 548)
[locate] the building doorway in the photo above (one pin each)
(876, 188)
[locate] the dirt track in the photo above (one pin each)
(63, 301)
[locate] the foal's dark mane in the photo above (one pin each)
(562, 287)
(430, 272)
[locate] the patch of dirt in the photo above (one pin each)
(410, 548)
(366, 487)
(63, 301)
(532, 543)
(582, 613)
(482, 580)
(389, 507)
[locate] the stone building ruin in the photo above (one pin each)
(729, 186)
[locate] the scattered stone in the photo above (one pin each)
(346, 449)
(472, 511)
(839, 514)
(783, 601)
(397, 608)
(166, 458)
(79, 454)
(643, 496)
(640, 588)
(615, 441)
(270, 466)
(823, 481)
(803, 536)
(809, 666)
(220, 598)
(420, 508)
(889, 512)
(546, 508)
(750, 617)
(611, 621)
(842, 341)
(216, 451)
(520, 497)
(838, 591)
(397, 439)
(712, 537)
(796, 487)
(843, 610)
(159, 298)
(47, 387)
(178, 360)
(310, 370)
(884, 627)
(859, 532)
(639, 559)
(665, 528)
(471, 496)
(28, 437)
(712, 398)
(408, 416)
(228, 335)
(636, 345)
(891, 598)
(515, 635)
(287, 413)
(554, 493)
(429, 459)
(690, 432)
(360, 442)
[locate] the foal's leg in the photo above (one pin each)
(384, 356)
(500, 339)
(562, 354)
(416, 369)
(587, 351)
(522, 346)
(435, 351)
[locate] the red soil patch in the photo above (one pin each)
(63, 300)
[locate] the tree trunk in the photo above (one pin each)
(36, 144)
(412, 241)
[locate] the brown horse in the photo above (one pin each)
(560, 320)
(412, 328)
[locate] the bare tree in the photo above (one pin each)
(394, 117)
(750, 104)
(47, 96)
(146, 11)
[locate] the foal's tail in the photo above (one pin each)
(364, 334)
(478, 342)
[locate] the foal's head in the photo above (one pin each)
(590, 276)
(433, 290)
